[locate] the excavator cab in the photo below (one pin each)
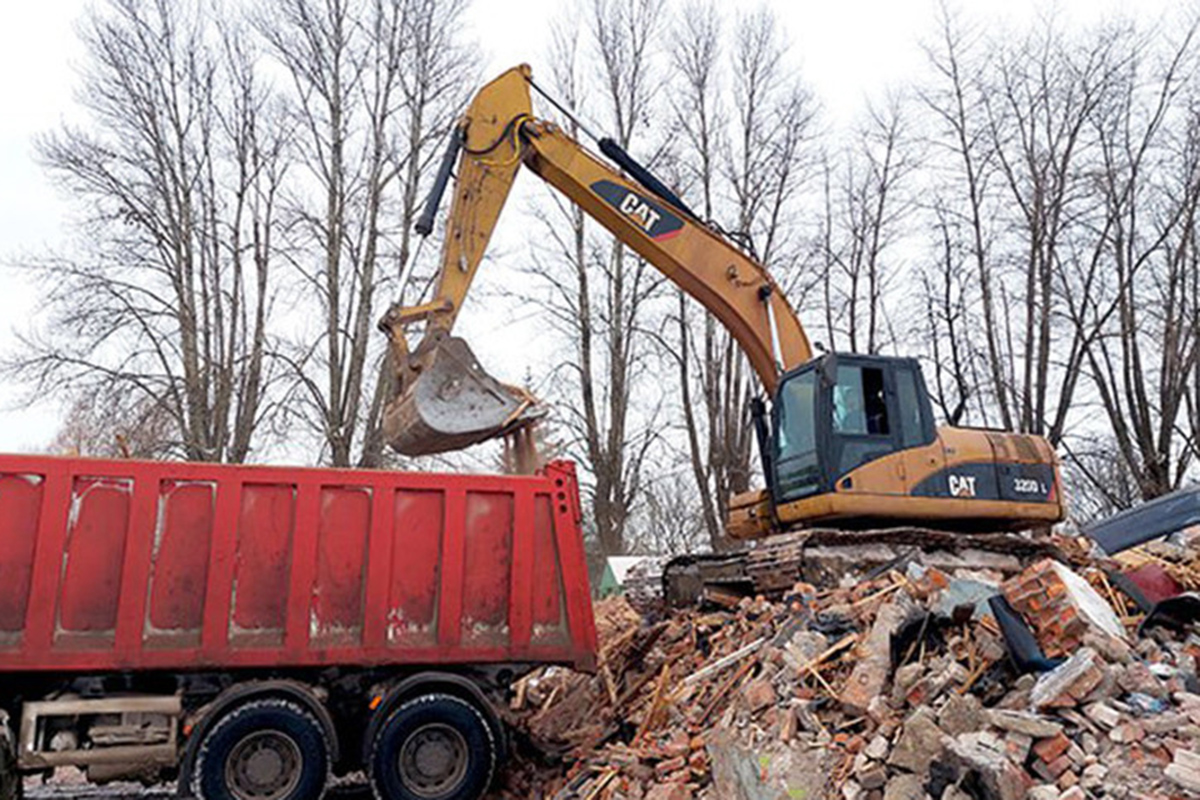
(839, 412)
(851, 440)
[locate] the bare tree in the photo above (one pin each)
(748, 166)
(965, 201)
(669, 522)
(699, 108)
(861, 227)
(598, 293)
(1098, 481)
(374, 86)
(945, 287)
(699, 115)
(1071, 191)
(1045, 92)
(165, 302)
(1149, 139)
(1014, 122)
(114, 427)
(1192, 399)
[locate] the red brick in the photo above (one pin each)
(1068, 779)
(665, 768)
(759, 694)
(1049, 749)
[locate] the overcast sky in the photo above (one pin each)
(849, 50)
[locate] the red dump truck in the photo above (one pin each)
(250, 631)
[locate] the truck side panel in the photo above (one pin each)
(20, 503)
(148, 565)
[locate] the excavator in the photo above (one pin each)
(847, 441)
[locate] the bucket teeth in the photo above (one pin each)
(452, 403)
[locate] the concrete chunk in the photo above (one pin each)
(870, 676)
(1038, 727)
(1070, 682)
(1184, 770)
(983, 755)
(905, 787)
(740, 772)
(962, 713)
(919, 742)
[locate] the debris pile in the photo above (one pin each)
(912, 683)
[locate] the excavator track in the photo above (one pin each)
(778, 563)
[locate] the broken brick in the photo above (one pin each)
(1060, 606)
(1049, 749)
(759, 694)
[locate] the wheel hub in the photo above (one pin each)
(433, 760)
(263, 766)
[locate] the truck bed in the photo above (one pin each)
(133, 565)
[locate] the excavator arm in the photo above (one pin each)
(455, 403)
(731, 286)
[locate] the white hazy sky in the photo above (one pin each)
(849, 50)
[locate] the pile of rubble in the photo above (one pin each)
(909, 684)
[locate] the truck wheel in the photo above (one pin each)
(433, 747)
(264, 750)
(10, 780)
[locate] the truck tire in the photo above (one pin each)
(433, 747)
(11, 786)
(269, 749)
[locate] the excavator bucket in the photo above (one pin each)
(452, 403)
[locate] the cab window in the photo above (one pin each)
(859, 402)
(912, 427)
(797, 467)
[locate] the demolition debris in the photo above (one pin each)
(1038, 680)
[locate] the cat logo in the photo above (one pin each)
(640, 210)
(962, 485)
(650, 217)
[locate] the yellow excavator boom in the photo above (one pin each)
(497, 135)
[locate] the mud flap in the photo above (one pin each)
(452, 403)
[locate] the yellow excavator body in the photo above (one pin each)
(847, 439)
